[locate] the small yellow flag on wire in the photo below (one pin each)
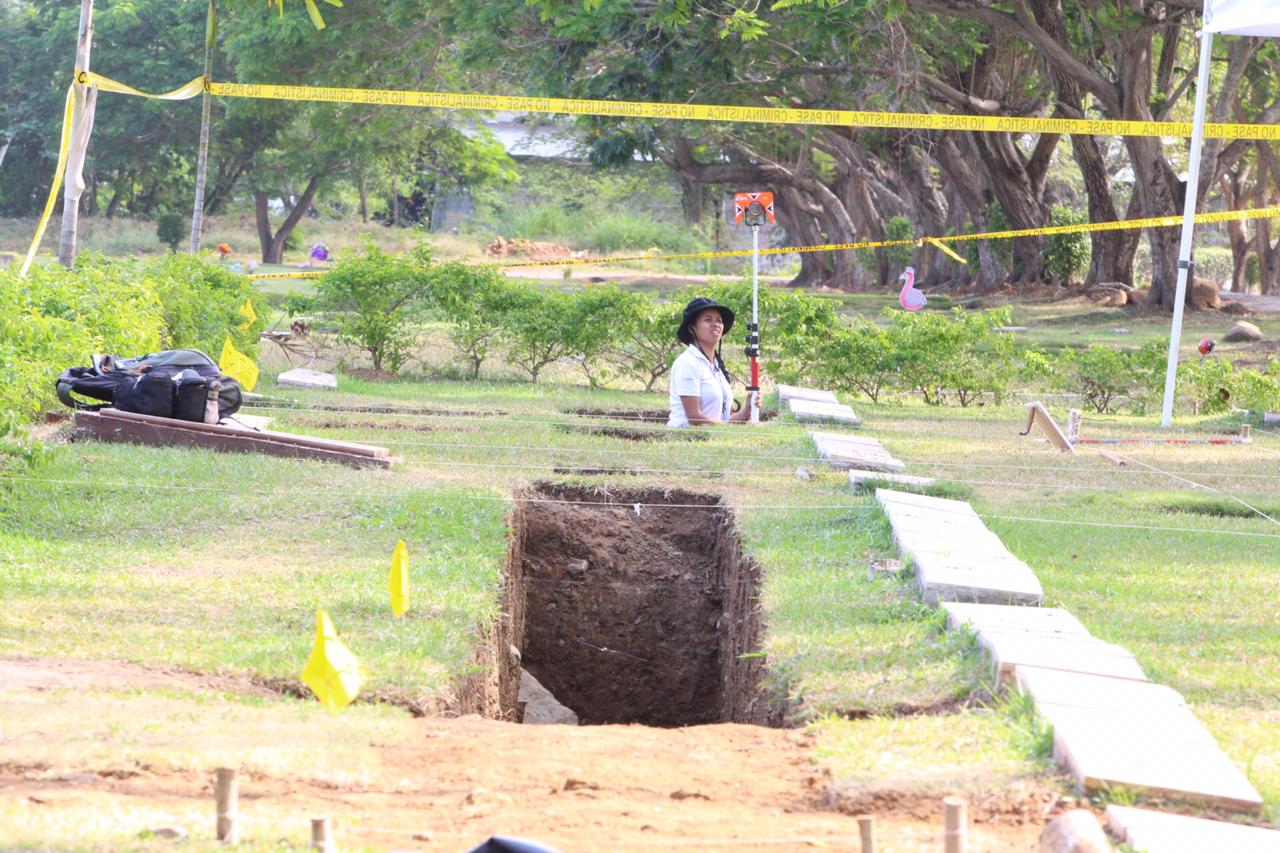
(332, 671)
(398, 583)
(237, 365)
(250, 316)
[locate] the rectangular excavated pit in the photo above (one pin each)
(635, 617)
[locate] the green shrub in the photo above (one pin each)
(57, 318)
(1216, 386)
(539, 328)
(899, 228)
(1252, 270)
(475, 303)
(375, 298)
(1066, 255)
(960, 354)
(859, 358)
(600, 321)
(203, 304)
(171, 228)
(646, 346)
(1104, 376)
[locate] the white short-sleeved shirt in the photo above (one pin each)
(695, 375)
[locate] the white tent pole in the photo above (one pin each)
(1188, 225)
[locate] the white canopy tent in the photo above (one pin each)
(1229, 17)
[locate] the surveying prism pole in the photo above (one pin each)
(754, 209)
(753, 328)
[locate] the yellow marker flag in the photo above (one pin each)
(250, 316)
(237, 365)
(399, 580)
(332, 671)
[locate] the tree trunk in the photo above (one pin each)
(364, 201)
(693, 200)
(273, 245)
(395, 204)
(4, 148)
(116, 198)
(206, 106)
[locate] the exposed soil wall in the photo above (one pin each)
(633, 617)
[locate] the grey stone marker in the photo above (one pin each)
(851, 451)
(809, 410)
(793, 392)
(303, 377)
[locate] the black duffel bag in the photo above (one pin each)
(181, 383)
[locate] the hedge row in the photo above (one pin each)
(57, 318)
(378, 301)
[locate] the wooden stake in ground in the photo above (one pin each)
(955, 825)
(226, 792)
(86, 99)
(867, 832)
(1037, 414)
(322, 835)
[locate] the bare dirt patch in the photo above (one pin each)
(656, 416)
(46, 673)
(458, 781)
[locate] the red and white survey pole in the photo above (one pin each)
(754, 209)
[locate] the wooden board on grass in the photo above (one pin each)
(848, 451)
(792, 392)
(1119, 733)
(1073, 653)
(1045, 621)
(809, 410)
(955, 556)
(113, 425)
(1160, 832)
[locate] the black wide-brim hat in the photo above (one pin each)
(696, 307)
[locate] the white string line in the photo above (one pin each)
(770, 458)
(1196, 485)
(631, 505)
(719, 444)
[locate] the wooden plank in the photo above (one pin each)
(1038, 415)
(859, 476)
(253, 423)
(809, 410)
(794, 392)
(1160, 832)
(955, 556)
(840, 451)
(1073, 653)
(95, 425)
(1120, 733)
(284, 437)
(996, 617)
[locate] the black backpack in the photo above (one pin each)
(179, 383)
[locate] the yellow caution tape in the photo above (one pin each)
(700, 112)
(63, 148)
(1117, 225)
(106, 84)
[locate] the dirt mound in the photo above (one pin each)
(501, 247)
(638, 433)
(42, 673)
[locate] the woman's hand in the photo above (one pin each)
(743, 415)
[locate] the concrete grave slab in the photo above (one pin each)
(1073, 653)
(1159, 832)
(842, 451)
(857, 477)
(809, 410)
(955, 556)
(793, 392)
(304, 377)
(1049, 621)
(1116, 732)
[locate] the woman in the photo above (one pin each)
(701, 388)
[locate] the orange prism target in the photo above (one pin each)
(754, 207)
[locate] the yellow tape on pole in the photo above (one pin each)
(64, 147)
(699, 112)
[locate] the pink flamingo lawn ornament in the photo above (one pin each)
(910, 298)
